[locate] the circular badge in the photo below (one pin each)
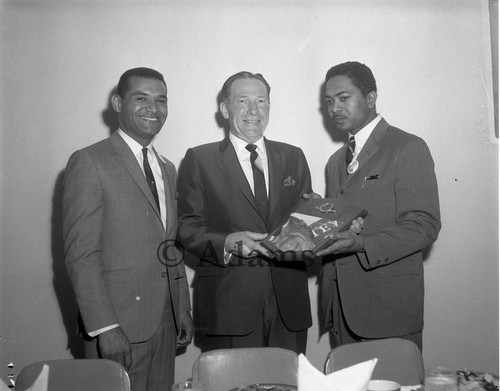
(353, 166)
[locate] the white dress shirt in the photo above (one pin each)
(155, 167)
(363, 135)
(244, 158)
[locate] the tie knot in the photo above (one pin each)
(144, 152)
(251, 147)
(253, 151)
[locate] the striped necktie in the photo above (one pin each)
(150, 177)
(351, 147)
(259, 181)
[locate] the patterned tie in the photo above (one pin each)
(351, 146)
(259, 182)
(150, 177)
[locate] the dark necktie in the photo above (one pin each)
(259, 182)
(150, 177)
(351, 146)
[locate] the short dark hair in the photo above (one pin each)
(146, 73)
(360, 75)
(226, 88)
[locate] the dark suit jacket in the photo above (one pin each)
(382, 290)
(112, 230)
(215, 199)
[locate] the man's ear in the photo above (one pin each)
(116, 102)
(372, 99)
(223, 110)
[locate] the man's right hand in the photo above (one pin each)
(114, 345)
(246, 244)
(311, 195)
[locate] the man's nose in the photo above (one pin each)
(252, 108)
(335, 106)
(152, 107)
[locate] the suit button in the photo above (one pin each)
(138, 298)
(164, 274)
(341, 191)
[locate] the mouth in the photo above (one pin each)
(251, 121)
(149, 119)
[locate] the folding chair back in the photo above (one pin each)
(399, 360)
(225, 369)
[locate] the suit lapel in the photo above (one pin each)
(371, 146)
(130, 162)
(275, 180)
(168, 185)
(232, 165)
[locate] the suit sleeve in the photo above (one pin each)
(184, 298)
(417, 216)
(82, 230)
(194, 233)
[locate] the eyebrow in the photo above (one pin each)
(337, 94)
(139, 92)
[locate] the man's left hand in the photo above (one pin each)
(345, 242)
(187, 329)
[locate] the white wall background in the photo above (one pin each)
(59, 61)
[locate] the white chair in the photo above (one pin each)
(77, 375)
(224, 369)
(399, 360)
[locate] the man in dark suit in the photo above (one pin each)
(119, 209)
(372, 286)
(229, 198)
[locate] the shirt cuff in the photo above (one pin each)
(95, 333)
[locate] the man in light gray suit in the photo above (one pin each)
(372, 286)
(120, 223)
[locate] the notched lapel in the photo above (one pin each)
(132, 166)
(275, 181)
(231, 163)
(371, 146)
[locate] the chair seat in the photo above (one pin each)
(77, 375)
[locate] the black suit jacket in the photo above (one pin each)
(215, 200)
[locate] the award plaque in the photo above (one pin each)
(311, 226)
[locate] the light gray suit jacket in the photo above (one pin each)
(112, 232)
(382, 290)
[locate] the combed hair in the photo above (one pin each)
(360, 75)
(226, 88)
(146, 73)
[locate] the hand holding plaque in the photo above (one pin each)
(312, 226)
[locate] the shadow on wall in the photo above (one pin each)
(62, 284)
(109, 116)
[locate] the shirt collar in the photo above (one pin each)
(365, 132)
(240, 145)
(133, 145)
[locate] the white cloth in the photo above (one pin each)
(353, 378)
